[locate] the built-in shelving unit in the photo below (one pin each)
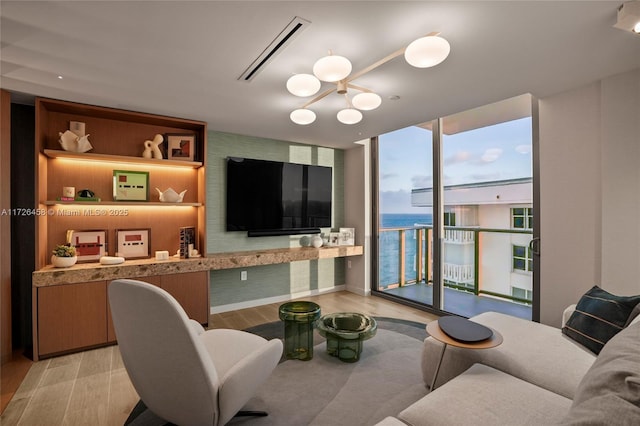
(72, 312)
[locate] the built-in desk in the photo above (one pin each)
(71, 311)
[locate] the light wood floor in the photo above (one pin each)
(92, 387)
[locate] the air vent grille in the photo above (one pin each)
(294, 28)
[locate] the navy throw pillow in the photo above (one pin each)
(598, 317)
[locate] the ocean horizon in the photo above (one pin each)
(389, 245)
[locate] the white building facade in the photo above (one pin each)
(496, 221)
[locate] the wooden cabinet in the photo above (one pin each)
(77, 316)
(71, 316)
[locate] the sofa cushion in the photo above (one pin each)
(598, 317)
(531, 351)
(485, 396)
(610, 391)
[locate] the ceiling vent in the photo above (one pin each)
(294, 28)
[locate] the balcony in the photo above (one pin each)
(480, 271)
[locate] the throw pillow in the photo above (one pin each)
(598, 317)
(609, 393)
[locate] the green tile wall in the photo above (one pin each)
(271, 280)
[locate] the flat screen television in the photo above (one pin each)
(277, 198)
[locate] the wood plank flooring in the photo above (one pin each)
(92, 387)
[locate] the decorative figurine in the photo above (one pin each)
(171, 196)
(71, 142)
(152, 148)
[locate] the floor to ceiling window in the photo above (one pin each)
(487, 212)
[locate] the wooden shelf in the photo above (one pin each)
(89, 156)
(116, 203)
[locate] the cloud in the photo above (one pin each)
(421, 181)
(523, 149)
(458, 157)
(388, 176)
(395, 201)
(484, 177)
(491, 155)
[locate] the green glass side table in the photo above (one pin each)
(345, 332)
(299, 318)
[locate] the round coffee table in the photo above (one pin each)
(434, 330)
(345, 332)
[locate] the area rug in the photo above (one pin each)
(328, 392)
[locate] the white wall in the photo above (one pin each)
(357, 208)
(621, 183)
(589, 186)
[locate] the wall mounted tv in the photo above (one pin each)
(268, 198)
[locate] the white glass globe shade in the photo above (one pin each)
(427, 51)
(303, 116)
(303, 85)
(349, 116)
(366, 101)
(636, 27)
(332, 68)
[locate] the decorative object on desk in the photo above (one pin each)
(86, 195)
(152, 148)
(133, 243)
(71, 142)
(180, 147)
(463, 330)
(334, 239)
(162, 255)
(347, 237)
(130, 185)
(69, 192)
(305, 241)
(316, 241)
(64, 255)
(187, 238)
(170, 195)
(111, 260)
(90, 245)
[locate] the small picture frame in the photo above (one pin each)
(90, 245)
(180, 146)
(347, 236)
(334, 239)
(130, 186)
(133, 243)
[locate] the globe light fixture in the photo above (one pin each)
(349, 116)
(303, 85)
(303, 116)
(424, 52)
(427, 51)
(332, 68)
(366, 101)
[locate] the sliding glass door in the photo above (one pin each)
(483, 196)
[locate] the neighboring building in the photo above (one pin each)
(505, 261)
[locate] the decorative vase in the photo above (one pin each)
(316, 241)
(305, 241)
(63, 262)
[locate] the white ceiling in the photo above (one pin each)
(183, 58)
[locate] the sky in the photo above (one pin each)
(501, 151)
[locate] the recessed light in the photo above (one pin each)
(60, 77)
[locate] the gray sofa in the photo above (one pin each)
(537, 376)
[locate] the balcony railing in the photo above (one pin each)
(406, 257)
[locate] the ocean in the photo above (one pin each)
(389, 243)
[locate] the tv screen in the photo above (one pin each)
(277, 198)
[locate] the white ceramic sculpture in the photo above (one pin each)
(152, 148)
(71, 142)
(316, 241)
(171, 196)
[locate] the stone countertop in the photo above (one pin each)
(87, 272)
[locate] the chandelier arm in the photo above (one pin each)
(360, 88)
(383, 60)
(320, 96)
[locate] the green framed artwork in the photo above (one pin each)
(130, 185)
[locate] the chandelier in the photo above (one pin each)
(424, 52)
